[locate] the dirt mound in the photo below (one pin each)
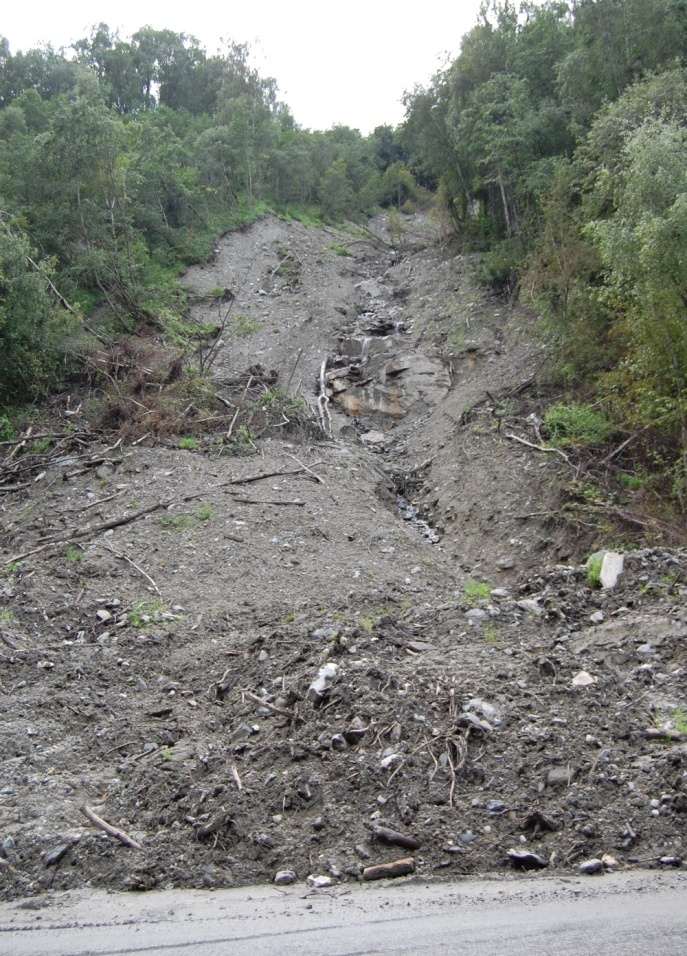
(330, 653)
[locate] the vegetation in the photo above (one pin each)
(476, 591)
(594, 565)
(555, 141)
(121, 161)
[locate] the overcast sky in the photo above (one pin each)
(346, 62)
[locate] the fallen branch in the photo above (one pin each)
(267, 501)
(109, 829)
(544, 448)
(136, 567)
(265, 703)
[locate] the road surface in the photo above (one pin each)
(624, 914)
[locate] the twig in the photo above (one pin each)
(267, 501)
(237, 778)
(108, 828)
(544, 448)
(239, 408)
(264, 703)
(125, 557)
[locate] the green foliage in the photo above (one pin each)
(188, 443)
(593, 569)
(576, 425)
(7, 429)
(73, 554)
(476, 591)
(145, 613)
(243, 325)
(339, 249)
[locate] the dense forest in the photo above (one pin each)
(554, 145)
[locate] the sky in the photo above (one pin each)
(346, 62)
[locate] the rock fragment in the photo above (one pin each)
(284, 877)
(383, 871)
(526, 860)
(321, 686)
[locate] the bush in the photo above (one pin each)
(576, 425)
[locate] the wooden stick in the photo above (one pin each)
(109, 829)
(125, 557)
(237, 778)
(264, 703)
(394, 838)
(267, 501)
(544, 448)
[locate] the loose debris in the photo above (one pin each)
(298, 681)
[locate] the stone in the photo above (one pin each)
(329, 632)
(373, 438)
(485, 709)
(505, 564)
(591, 867)
(531, 606)
(54, 856)
(320, 687)
(285, 877)
(612, 566)
(103, 615)
(339, 742)
(526, 860)
(320, 882)
(597, 617)
(500, 593)
(475, 615)
(356, 731)
(583, 679)
(559, 776)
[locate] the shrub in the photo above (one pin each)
(594, 563)
(576, 424)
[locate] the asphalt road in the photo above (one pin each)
(624, 914)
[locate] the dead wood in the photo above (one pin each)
(394, 838)
(109, 829)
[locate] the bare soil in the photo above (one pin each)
(159, 670)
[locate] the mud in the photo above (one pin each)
(159, 671)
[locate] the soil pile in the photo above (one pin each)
(351, 645)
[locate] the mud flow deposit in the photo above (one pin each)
(364, 642)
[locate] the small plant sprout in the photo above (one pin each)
(188, 443)
(476, 591)
(594, 564)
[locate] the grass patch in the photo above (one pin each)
(476, 591)
(490, 634)
(205, 512)
(188, 443)
(576, 425)
(146, 612)
(7, 616)
(177, 522)
(339, 249)
(73, 554)
(594, 564)
(243, 326)
(679, 718)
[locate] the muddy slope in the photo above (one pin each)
(161, 670)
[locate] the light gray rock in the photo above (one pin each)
(612, 567)
(583, 679)
(285, 877)
(320, 687)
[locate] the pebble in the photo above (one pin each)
(532, 606)
(285, 877)
(55, 855)
(320, 882)
(590, 867)
(475, 615)
(583, 679)
(526, 860)
(597, 617)
(559, 777)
